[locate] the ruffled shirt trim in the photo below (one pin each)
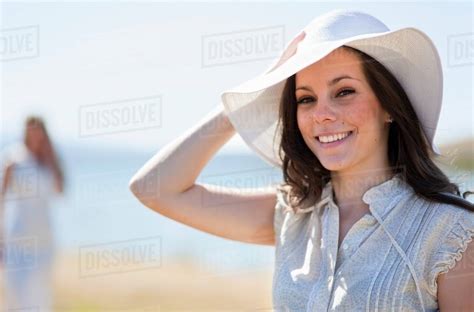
(453, 246)
(377, 197)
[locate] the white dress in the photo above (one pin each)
(28, 235)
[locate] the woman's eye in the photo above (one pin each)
(307, 99)
(346, 90)
(303, 100)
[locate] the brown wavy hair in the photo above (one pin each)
(409, 152)
(47, 156)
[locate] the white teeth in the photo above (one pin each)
(332, 138)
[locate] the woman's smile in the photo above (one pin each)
(333, 141)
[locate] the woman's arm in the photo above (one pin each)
(244, 215)
(7, 172)
(4, 184)
(456, 287)
(179, 163)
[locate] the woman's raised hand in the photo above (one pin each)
(291, 50)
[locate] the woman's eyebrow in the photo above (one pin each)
(330, 83)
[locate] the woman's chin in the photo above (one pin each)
(333, 164)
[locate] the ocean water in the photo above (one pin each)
(98, 209)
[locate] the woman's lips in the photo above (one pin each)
(335, 143)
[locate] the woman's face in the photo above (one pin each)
(35, 137)
(330, 104)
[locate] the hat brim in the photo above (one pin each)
(408, 53)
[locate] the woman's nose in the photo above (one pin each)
(323, 111)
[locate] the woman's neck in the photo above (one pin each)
(350, 187)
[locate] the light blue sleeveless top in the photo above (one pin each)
(388, 261)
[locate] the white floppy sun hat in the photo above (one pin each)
(408, 53)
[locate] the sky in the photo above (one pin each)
(75, 63)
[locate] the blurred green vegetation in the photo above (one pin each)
(458, 155)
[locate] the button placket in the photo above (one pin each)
(351, 242)
(355, 234)
(330, 258)
(358, 235)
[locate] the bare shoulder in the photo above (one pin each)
(455, 287)
(456, 249)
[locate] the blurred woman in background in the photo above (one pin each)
(31, 176)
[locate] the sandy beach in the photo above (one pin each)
(177, 285)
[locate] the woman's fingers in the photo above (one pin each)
(291, 50)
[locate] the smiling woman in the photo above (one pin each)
(364, 219)
(355, 108)
(367, 102)
(343, 114)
